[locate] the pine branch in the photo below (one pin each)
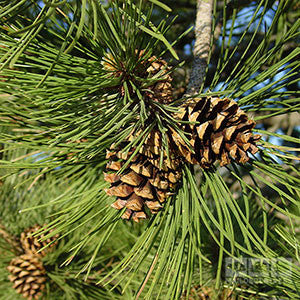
(202, 43)
(66, 108)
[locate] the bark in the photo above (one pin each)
(202, 43)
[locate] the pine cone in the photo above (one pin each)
(143, 182)
(223, 132)
(32, 245)
(160, 91)
(28, 276)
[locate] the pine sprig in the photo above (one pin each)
(61, 109)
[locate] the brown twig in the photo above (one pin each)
(202, 44)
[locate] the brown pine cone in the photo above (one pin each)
(153, 67)
(32, 245)
(143, 183)
(28, 276)
(221, 132)
(160, 91)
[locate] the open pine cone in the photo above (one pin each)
(32, 245)
(28, 276)
(223, 132)
(160, 90)
(144, 182)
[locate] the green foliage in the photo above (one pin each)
(60, 110)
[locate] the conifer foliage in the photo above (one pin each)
(149, 191)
